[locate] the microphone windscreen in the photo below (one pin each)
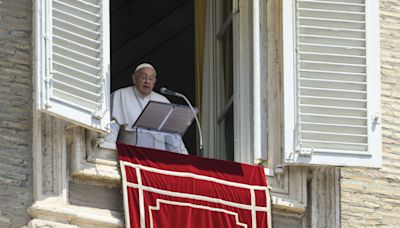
(167, 91)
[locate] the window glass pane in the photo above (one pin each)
(227, 55)
(229, 134)
(228, 63)
(227, 8)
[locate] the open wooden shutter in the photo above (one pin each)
(73, 60)
(332, 80)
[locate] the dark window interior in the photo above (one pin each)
(159, 32)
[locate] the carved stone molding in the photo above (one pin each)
(59, 155)
(89, 161)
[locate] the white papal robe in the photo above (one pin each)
(126, 105)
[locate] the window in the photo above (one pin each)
(331, 82)
(161, 33)
(217, 91)
(74, 70)
(225, 117)
(331, 76)
(226, 107)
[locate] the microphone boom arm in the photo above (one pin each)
(197, 121)
(173, 93)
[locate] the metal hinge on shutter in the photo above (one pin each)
(306, 152)
(376, 118)
(49, 86)
(48, 75)
(99, 114)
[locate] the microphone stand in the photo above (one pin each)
(169, 92)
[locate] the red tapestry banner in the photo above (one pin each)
(164, 189)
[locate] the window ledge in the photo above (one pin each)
(104, 154)
(287, 205)
(38, 223)
(98, 172)
(76, 215)
(108, 145)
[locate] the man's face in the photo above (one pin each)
(144, 79)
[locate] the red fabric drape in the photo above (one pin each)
(164, 189)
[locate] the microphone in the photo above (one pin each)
(168, 92)
(173, 93)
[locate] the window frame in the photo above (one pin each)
(242, 109)
(241, 18)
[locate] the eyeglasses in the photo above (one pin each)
(144, 77)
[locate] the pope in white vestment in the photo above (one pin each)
(127, 104)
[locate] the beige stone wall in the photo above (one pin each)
(371, 198)
(15, 112)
